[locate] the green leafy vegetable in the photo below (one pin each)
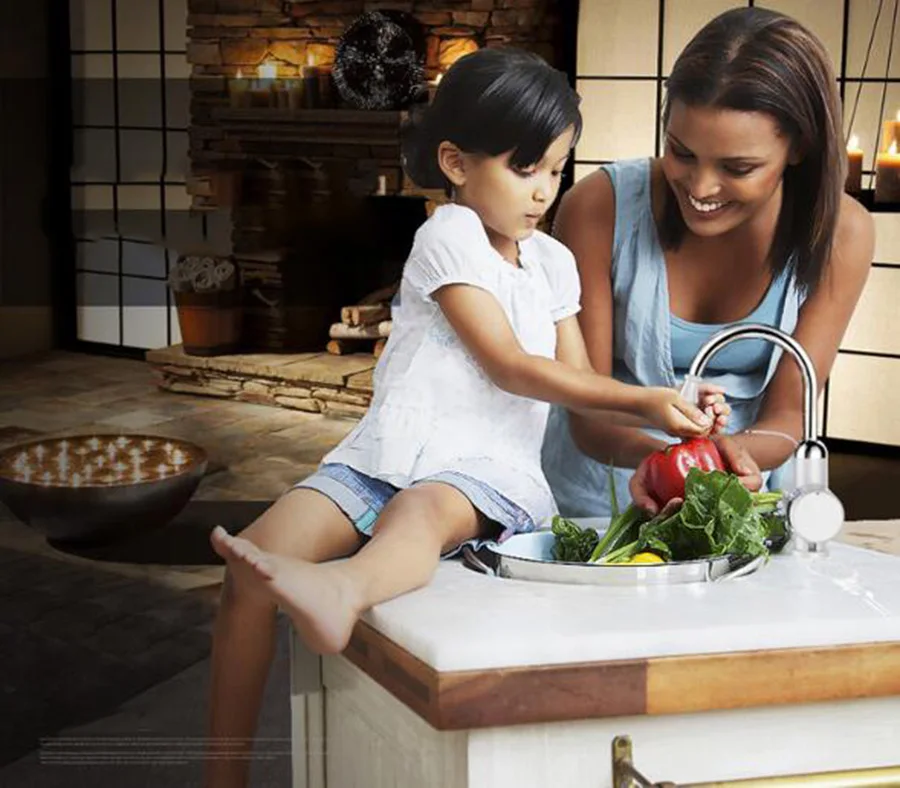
(719, 516)
(573, 543)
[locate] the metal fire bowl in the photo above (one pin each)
(101, 512)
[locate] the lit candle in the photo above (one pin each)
(891, 133)
(310, 79)
(262, 89)
(887, 175)
(237, 90)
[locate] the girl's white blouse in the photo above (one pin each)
(433, 407)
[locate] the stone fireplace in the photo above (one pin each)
(320, 212)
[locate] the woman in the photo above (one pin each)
(743, 219)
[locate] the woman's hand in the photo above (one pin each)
(736, 458)
(739, 461)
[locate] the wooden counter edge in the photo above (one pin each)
(459, 700)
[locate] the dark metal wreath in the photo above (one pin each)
(377, 65)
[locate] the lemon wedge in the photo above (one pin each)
(646, 558)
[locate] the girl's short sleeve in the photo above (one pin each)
(452, 251)
(565, 284)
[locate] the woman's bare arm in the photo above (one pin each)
(585, 223)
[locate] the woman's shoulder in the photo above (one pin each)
(854, 236)
(591, 205)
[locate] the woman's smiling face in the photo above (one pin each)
(724, 166)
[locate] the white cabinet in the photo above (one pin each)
(375, 741)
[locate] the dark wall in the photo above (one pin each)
(26, 315)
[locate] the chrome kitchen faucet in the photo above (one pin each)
(814, 512)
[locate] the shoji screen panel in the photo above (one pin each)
(130, 207)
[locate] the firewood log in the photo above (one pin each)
(364, 314)
(339, 347)
(374, 331)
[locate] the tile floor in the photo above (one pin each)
(255, 451)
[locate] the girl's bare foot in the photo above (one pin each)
(319, 598)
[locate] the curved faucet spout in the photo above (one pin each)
(815, 513)
(776, 337)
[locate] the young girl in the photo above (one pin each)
(484, 337)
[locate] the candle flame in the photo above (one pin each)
(854, 143)
(267, 70)
(240, 74)
(893, 149)
(310, 58)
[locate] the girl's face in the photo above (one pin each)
(511, 201)
(724, 166)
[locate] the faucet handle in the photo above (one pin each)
(816, 516)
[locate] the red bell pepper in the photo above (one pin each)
(668, 468)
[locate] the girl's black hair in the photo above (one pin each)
(491, 101)
(757, 60)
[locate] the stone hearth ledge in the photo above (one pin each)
(338, 386)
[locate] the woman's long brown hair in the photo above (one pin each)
(757, 60)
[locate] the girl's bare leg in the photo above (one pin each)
(304, 524)
(324, 601)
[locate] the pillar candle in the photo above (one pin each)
(887, 175)
(891, 133)
(853, 184)
(326, 94)
(309, 75)
(237, 91)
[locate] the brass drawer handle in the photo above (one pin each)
(626, 776)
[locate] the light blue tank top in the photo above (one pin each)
(647, 351)
(745, 357)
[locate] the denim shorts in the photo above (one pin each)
(362, 497)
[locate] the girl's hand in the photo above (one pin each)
(739, 461)
(666, 409)
(712, 403)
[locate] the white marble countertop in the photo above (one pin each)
(467, 621)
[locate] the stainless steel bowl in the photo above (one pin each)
(529, 557)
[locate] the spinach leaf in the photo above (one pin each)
(572, 543)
